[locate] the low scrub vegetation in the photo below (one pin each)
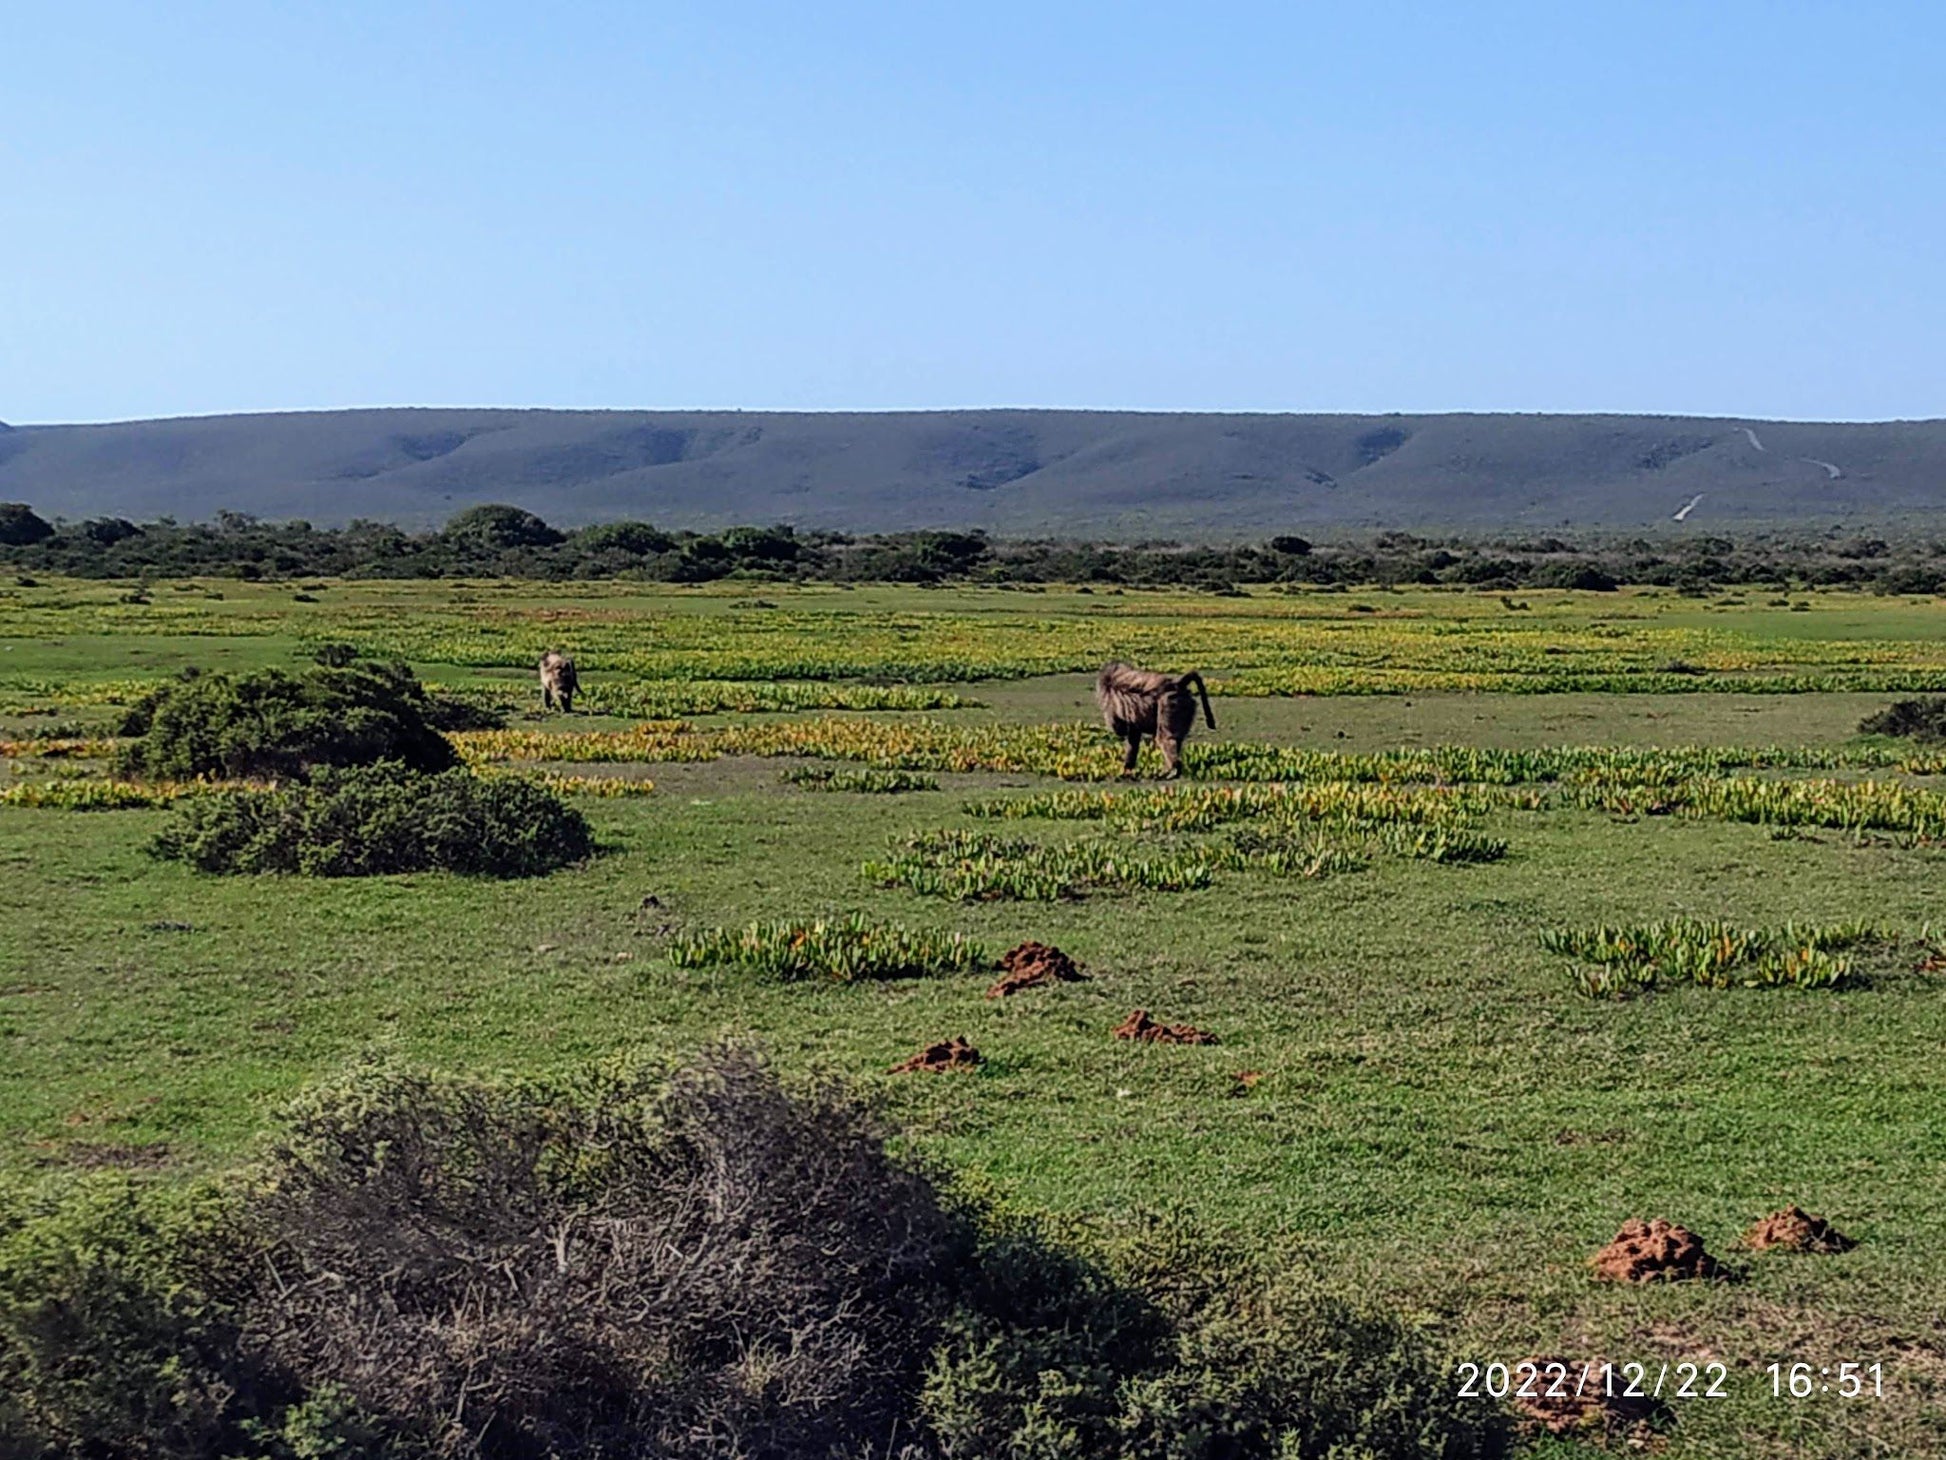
(971, 866)
(1201, 808)
(978, 866)
(708, 1265)
(1260, 845)
(851, 949)
(1714, 955)
(94, 793)
(1853, 806)
(869, 782)
(368, 820)
(1080, 752)
(275, 724)
(669, 699)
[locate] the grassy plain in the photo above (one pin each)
(1443, 1119)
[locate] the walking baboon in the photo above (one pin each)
(558, 682)
(1138, 702)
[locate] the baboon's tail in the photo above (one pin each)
(1202, 689)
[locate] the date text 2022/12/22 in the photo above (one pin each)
(1663, 1379)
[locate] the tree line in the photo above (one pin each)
(500, 541)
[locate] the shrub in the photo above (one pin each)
(708, 1265)
(1922, 719)
(494, 527)
(452, 711)
(109, 1343)
(1583, 577)
(1276, 1369)
(22, 526)
(846, 950)
(718, 1267)
(710, 1268)
(368, 820)
(635, 539)
(274, 724)
(1153, 1346)
(335, 655)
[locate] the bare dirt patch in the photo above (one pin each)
(1570, 1397)
(946, 1054)
(1140, 1026)
(1796, 1230)
(1654, 1251)
(1031, 966)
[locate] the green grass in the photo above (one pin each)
(1444, 1119)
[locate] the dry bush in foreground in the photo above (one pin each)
(708, 1267)
(723, 1268)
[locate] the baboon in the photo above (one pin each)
(558, 682)
(1138, 702)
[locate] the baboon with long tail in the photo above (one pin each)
(1138, 702)
(559, 682)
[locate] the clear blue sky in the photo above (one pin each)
(1731, 208)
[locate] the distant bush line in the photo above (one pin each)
(501, 541)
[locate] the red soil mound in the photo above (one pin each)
(1140, 1026)
(1031, 965)
(1568, 1397)
(1797, 1230)
(947, 1054)
(1658, 1250)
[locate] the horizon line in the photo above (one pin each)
(957, 410)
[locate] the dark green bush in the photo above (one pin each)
(110, 1343)
(448, 711)
(494, 527)
(335, 655)
(365, 821)
(1282, 1370)
(1921, 719)
(1159, 1347)
(273, 724)
(22, 526)
(633, 539)
(706, 1266)
(1584, 577)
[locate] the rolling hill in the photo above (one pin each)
(1016, 472)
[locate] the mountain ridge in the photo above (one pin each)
(1116, 474)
